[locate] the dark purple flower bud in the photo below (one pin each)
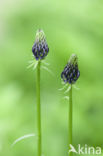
(71, 72)
(40, 48)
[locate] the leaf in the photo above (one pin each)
(22, 138)
(48, 70)
(63, 87)
(67, 90)
(66, 97)
(45, 63)
(74, 86)
(35, 65)
(30, 65)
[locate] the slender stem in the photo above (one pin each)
(38, 110)
(70, 119)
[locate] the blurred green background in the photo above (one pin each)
(71, 26)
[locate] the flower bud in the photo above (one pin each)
(71, 72)
(40, 48)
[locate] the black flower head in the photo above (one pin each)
(71, 72)
(40, 48)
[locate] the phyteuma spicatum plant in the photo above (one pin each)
(69, 76)
(40, 50)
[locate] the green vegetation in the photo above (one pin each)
(70, 27)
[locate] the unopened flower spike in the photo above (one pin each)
(40, 48)
(71, 72)
(70, 75)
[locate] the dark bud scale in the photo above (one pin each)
(40, 48)
(71, 72)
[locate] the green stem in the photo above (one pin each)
(70, 119)
(38, 110)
